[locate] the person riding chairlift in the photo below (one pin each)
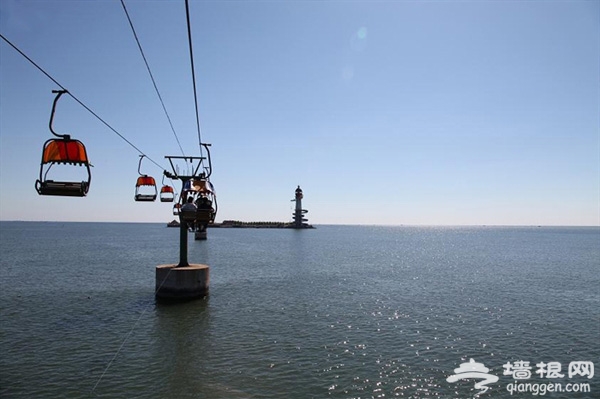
(189, 206)
(203, 202)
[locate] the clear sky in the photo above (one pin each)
(389, 112)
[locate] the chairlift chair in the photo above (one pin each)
(199, 187)
(167, 193)
(62, 151)
(145, 187)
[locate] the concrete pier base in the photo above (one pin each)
(182, 283)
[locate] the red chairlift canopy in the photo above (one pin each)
(145, 180)
(65, 151)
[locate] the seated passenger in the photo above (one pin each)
(189, 205)
(189, 208)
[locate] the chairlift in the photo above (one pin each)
(198, 187)
(203, 192)
(62, 151)
(145, 187)
(167, 193)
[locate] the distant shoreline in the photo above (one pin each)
(452, 226)
(237, 224)
(259, 225)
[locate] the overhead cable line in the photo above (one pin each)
(79, 101)
(189, 28)
(151, 76)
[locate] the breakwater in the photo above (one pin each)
(258, 225)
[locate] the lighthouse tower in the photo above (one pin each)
(299, 221)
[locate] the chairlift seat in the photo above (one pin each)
(204, 216)
(187, 215)
(200, 216)
(61, 188)
(145, 197)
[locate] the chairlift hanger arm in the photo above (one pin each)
(198, 167)
(58, 94)
(209, 170)
(140, 165)
(174, 175)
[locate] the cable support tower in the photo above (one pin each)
(151, 76)
(79, 101)
(189, 28)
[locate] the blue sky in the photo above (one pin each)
(395, 112)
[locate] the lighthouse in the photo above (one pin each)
(298, 215)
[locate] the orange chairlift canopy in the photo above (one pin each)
(145, 180)
(65, 151)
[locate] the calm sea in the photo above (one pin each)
(336, 312)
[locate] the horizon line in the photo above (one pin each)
(318, 224)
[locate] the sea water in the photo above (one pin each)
(334, 312)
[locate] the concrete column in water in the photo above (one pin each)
(175, 282)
